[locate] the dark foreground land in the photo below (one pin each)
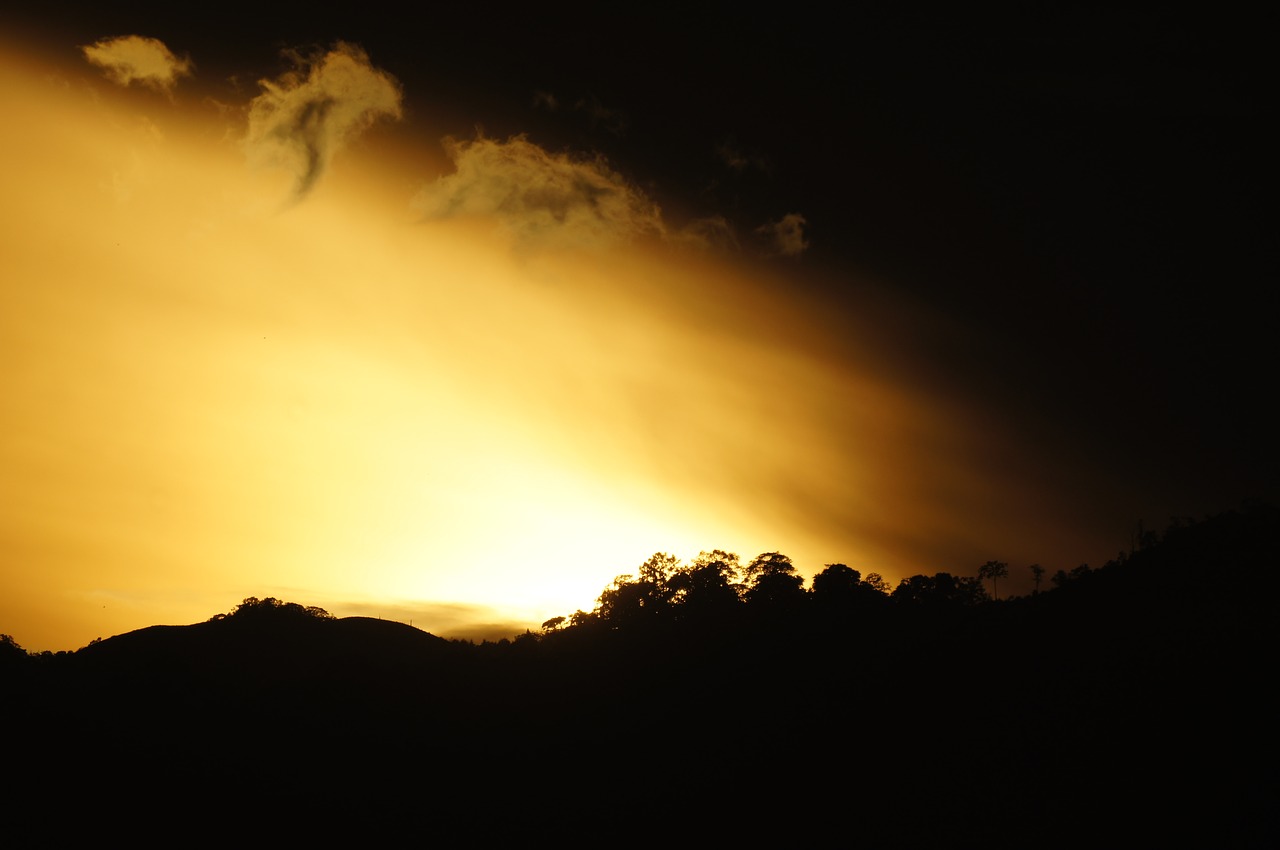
(1130, 705)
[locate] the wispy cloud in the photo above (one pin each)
(443, 619)
(134, 58)
(307, 115)
(739, 160)
(713, 233)
(602, 117)
(785, 236)
(540, 197)
(545, 100)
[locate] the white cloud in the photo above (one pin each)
(786, 235)
(133, 58)
(540, 197)
(307, 115)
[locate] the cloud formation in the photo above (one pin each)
(713, 233)
(540, 197)
(134, 58)
(443, 619)
(557, 200)
(738, 160)
(785, 236)
(602, 117)
(310, 113)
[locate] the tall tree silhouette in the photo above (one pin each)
(994, 570)
(655, 576)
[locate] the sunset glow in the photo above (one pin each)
(327, 378)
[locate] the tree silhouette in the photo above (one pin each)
(1062, 577)
(708, 588)
(1038, 572)
(655, 577)
(773, 583)
(878, 583)
(253, 608)
(10, 651)
(941, 590)
(651, 596)
(994, 570)
(622, 602)
(838, 582)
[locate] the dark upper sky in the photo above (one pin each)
(1081, 188)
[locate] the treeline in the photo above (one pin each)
(722, 698)
(717, 590)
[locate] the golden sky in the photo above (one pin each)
(288, 346)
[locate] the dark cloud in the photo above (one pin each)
(609, 120)
(739, 160)
(545, 100)
(785, 236)
(303, 118)
(712, 233)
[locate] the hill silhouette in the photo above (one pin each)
(1129, 701)
(273, 645)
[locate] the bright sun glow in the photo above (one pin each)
(213, 389)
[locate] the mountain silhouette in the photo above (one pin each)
(1129, 701)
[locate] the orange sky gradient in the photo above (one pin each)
(220, 383)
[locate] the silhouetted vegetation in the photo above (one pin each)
(994, 570)
(273, 610)
(10, 651)
(1130, 701)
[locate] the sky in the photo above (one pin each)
(453, 321)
